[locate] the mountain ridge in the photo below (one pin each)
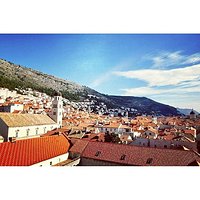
(186, 111)
(12, 76)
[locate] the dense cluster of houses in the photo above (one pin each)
(37, 130)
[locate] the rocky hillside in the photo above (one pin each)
(12, 76)
(18, 76)
(144, 105)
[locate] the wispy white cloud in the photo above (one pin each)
(150, 91)
(165, 59)
(156, 77)
(192, 59)
(178, 87)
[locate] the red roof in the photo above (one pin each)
(139, 156)
(16, 111)
(17, 102)
(31, 151)
(56, 132)
(112, 125)
(79, 146)
(168, 137)
(94, 137)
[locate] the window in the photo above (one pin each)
(123, 157)
(17, 133)
(44, 129)
(54, 113)
(98, 153)
(149, 160)
(36, 130)
(54, 106)
(59, 113)
(165, 146)
(27, 132)
(155, 146)
(51, 163)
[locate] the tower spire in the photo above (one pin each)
(57, 108)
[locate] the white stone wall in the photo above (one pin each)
(13, 107)
(160, 143)
(163, 143)
(52, 161)
(28, 131)
(111, 130)
(74, 163)
(93, 162)
(2, 100)
(17, 107)
(136, 134)
(140, 142)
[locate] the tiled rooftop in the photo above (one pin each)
(31, 151)
(79, 146)
(16, 120)
(138, 155)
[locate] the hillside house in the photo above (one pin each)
(113, 128)
(11, 107)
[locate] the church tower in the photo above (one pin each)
(57, 109)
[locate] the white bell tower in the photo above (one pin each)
(57, 109)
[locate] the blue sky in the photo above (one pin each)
(165, 68)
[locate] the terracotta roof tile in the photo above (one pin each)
(112, 125)
(139, 156)
(79, 146)
(31, 151)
